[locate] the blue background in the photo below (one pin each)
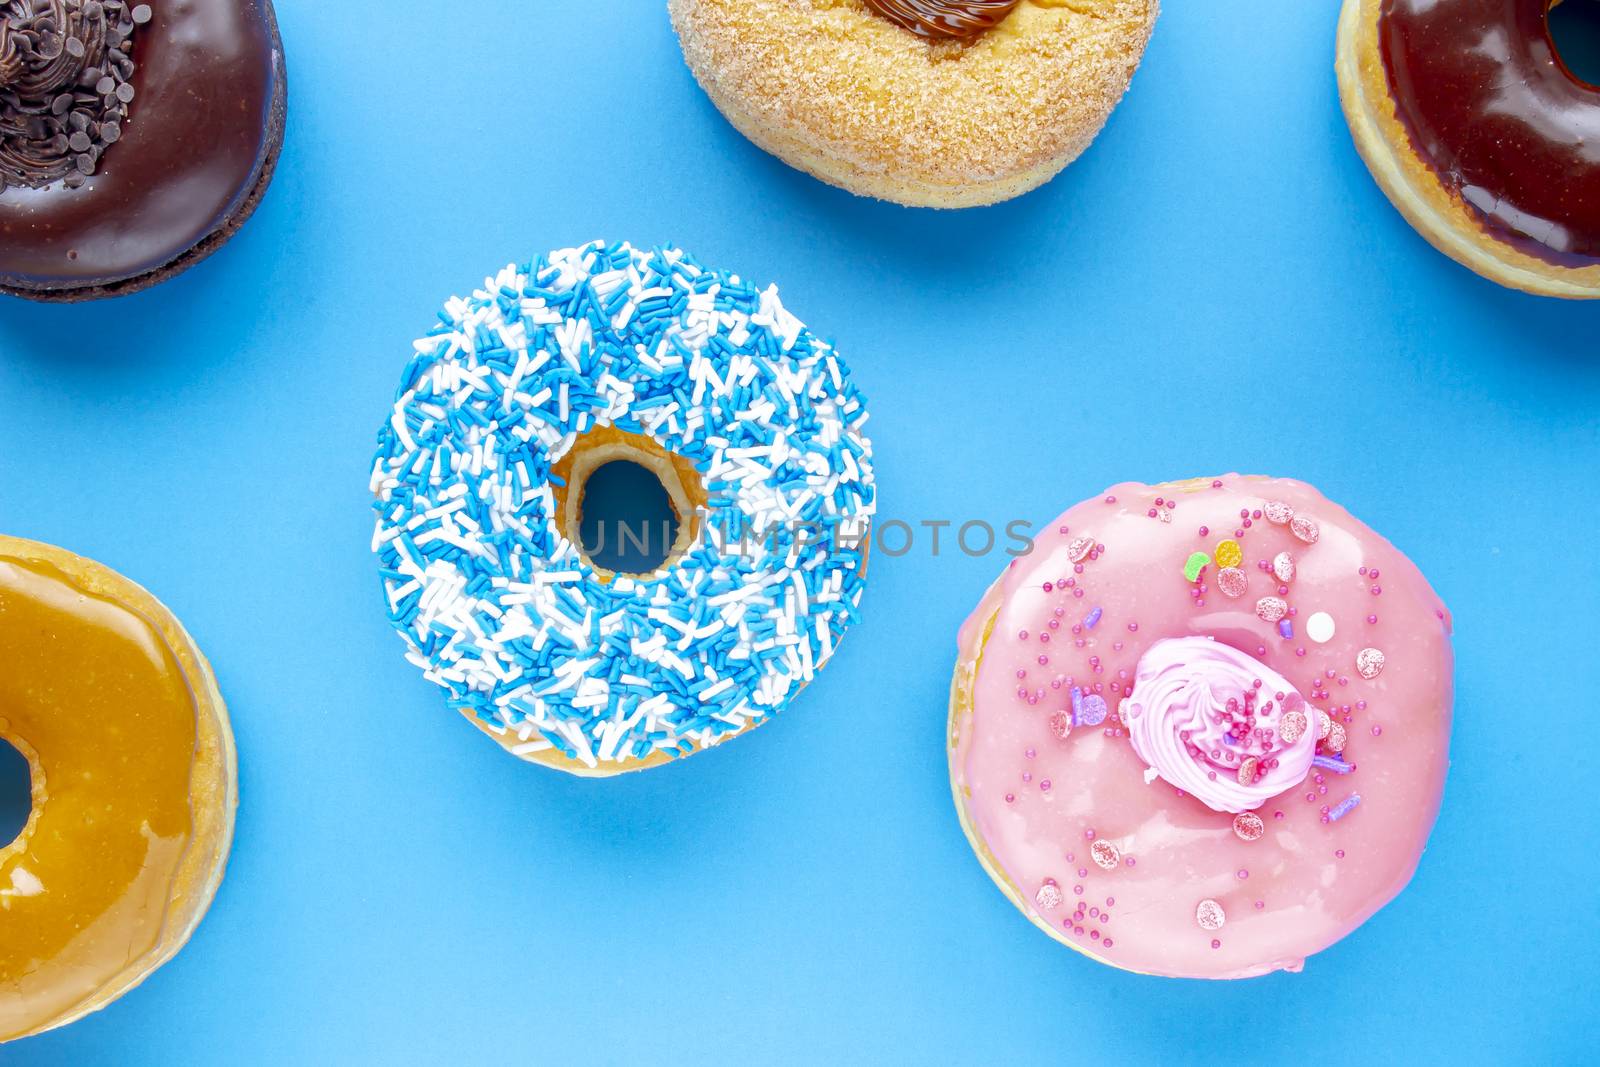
(1216, 285)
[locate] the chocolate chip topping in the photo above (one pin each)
(65, 71)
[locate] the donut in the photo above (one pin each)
(1202, 729)
(133, 778)
(929, 103)
(135, 138)
(1479, 134)
(552, 370)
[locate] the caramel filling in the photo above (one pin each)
(93, 697)
(945, 19)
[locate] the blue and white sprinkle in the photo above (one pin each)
(495, 603)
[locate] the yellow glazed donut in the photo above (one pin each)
(1479, 134)
(133, 785)
(930, 103)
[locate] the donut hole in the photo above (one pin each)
(626, 521)
(636, 519)
(1575, 32)
(16, 793)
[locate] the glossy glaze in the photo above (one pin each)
(1499, 118)
(945, 19)
(197, 138)
(94, 695)
(1039, 817)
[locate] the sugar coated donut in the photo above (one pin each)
(1486, 142)
(135, 138)
(553, 369)
(133, 779)
(1202, 729)
(932, 103)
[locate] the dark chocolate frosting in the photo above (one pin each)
(208, 75)
(1500, 119)
(66, 68)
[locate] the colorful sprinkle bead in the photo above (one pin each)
(1229, 554)
(1344, 807)
(1271, 608)
(1247, 770)
(1319, 627)
(1283, 567)
(1247, 826)
(1233, 582)
(1369, 663)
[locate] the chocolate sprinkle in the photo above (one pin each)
(64, 87)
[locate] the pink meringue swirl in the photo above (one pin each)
(1204, 716)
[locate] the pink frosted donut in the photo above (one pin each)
(1202, 729)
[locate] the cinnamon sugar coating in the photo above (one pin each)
(836, 90)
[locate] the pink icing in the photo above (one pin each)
(1202, 715)
(1039, 802)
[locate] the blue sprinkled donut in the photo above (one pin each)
(552, 369)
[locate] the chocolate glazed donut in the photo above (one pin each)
(201, 88)
(1480, 134)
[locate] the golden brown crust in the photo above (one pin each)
(1442, 217)
(556, 760)
(213, 781)
(848, 96)
(606, 444)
